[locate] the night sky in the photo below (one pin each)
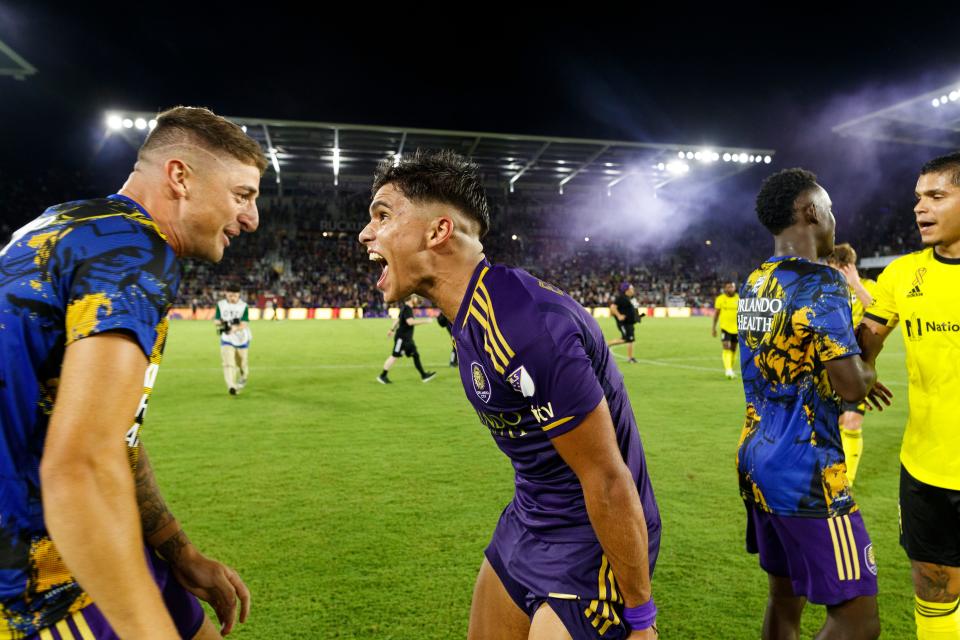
(753, 78)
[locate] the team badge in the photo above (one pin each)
(870, 559)
(521, 382)
(481, 383)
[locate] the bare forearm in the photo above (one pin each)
(863, 295)
(91, 513)
(160, 528)
(616, 514)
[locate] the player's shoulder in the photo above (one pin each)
(108, 223)
(908, 263)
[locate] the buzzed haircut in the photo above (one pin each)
(778, 196)
(438, 176)
(843, 254)
(204, 128)
(943, 164)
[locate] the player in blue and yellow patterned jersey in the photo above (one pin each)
(799, 359)
(844, 260)
(572, 554)
(84, 293)
(921, 291)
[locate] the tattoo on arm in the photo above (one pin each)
(154, 512)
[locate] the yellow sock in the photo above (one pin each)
(727, 360)
(852, 440)
(937, 620)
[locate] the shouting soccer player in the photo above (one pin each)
(921, 290)
(572, 554)
(90, 548)
(799, 360)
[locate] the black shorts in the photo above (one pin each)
(728, 337)
(929, 521)
(626, 330)
(858, 407)
(402, 346)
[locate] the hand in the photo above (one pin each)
(650, 633)
(879, 393)
(849, 272)
(389, 333)
(713, 332)
(214, 583)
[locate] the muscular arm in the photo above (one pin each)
(89, 500)
(851, 377)
(871, 337)
(160, 528)
(612, 501)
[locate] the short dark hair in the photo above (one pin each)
(942, 164)
(204, 128)
(778, 195)
(438, 176)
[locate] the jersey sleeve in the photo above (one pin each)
(827, 316)
(717, 303)
(884, 306)
(115, 274)
(556, 377)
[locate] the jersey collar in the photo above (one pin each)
(940, 258)
(131, 202)
(468, 294)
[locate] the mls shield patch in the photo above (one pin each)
(481, 383)
(521, 382)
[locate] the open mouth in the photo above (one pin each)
(376, 257)
(925, 225)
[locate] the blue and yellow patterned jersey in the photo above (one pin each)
(80, 269)
(794, 316)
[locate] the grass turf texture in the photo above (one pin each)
(359, 510)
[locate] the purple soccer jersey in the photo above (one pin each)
(534, 363)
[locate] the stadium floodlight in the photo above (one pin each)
(680, 155)
(708, 243)
(767, 159)
(936, 102)
(678, 167)
(114, 122)
(513, 237)
(244, 128)
(689, 155)
(751, 157)
(698, 155)
(726, 157)
(661, 166)
(127, 123)
(153, 124)
(954, 95)
(743, 158)
(586, 238)
(336, 157)
(140, 124)
(943, 99)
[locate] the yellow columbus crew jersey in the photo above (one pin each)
(856, 305)
(727, 305)
(921, 291)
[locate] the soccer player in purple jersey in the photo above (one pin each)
(91, 549)
(573, 552)
(799, 359)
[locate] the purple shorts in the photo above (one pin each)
(89, 623)
(828, 560)
(574, 578)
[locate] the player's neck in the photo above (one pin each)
(950, 251)
(795, 244)
(449, 284)
(158, 210)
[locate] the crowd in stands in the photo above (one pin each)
(306, 253)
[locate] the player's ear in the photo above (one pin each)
(441, 230)
(176, 173)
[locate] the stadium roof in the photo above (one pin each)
(308, 155)
(11, 64)
(931, 119)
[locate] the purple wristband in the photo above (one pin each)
(642, 617)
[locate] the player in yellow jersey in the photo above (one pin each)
(844, 260)
(726, 314)
(921, 290)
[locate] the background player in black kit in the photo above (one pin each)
(626, 315)
(403, 343)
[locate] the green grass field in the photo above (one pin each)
(357, 510)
